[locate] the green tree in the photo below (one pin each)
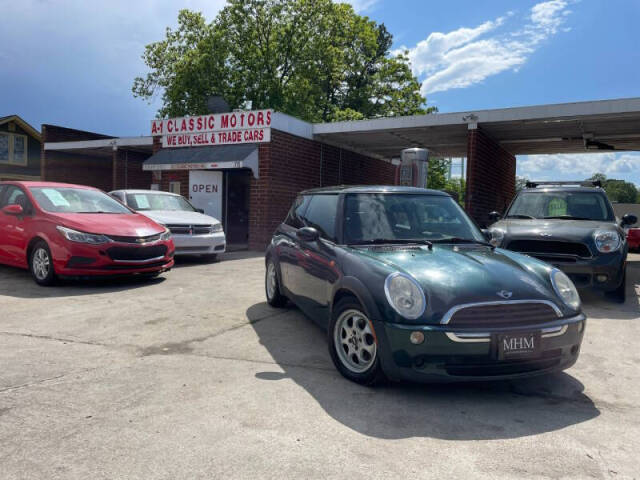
(437, 173)
(521, 183)
(313, 59)
(617, 190)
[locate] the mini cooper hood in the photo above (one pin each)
(122, 225)
(452, 275)
(574, 230)
(169, 217)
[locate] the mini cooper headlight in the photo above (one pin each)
(606, 241)
(82, 237)
(166, 235)
(497, 236)
(565, 289)
(216, 227)
(405, 295)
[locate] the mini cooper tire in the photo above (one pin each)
(272, 286)
(41, 264)
(353, 345)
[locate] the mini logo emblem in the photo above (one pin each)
(504, 294)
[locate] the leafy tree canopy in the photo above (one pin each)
(313, 59)
(617, 190)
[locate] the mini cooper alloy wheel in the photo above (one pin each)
(354, 340)
(272, 280)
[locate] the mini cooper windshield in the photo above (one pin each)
(76, 200)
(561, 205)
(402, 218)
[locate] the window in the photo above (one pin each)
(13, 148)
(76, 200)
(159, 201)
(377, 216)
(321, 214)
(561, 204)
(15, 196)
(174, 187)
(294, 218)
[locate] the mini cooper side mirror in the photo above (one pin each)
(15, 210)
(629, 220)
(494, 216)
(308, 234)
(487, 234)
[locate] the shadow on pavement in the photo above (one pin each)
(189, 260)
(15, 282)
(471, 411)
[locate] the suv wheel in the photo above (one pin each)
(352, 343)
(620, 294)
(41, 264)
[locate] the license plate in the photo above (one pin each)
(518, 345)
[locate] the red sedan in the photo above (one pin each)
(633, 238)
(62, 230)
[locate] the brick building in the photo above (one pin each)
(248, 174)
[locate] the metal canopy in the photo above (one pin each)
(210, 157)
(560, 128)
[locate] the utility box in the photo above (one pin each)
(412, 171)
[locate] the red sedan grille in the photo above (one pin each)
(503, 315)
(133, 254)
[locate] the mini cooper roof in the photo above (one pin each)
(373, 189)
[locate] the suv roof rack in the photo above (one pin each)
(577, 183)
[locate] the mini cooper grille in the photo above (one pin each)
(190, 229)
(140, 254)
(138, 240)
(549, 247)
(503, 315)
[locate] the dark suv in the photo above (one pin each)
(571, 226)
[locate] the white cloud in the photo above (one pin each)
(623, 166)
(467, 56)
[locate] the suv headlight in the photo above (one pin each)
(405, 295)
(606, 241)
(565, 289)
(82, 237)
(166, 235)
(215, 228)
(497, 236)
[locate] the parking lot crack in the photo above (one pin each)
(52, 338)
(45, 380)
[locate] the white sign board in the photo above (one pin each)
(205, 191)
(214, 129)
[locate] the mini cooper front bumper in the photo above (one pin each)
(450, 354)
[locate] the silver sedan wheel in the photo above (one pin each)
(41, 263)
(272, 280)
(355, 341)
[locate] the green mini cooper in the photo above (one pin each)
(408, 288)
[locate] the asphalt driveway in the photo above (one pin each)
(192, 376)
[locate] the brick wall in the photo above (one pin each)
(491, 176)
(289, 164)
(93, 170)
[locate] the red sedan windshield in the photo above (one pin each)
(76, 200)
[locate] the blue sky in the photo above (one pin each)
(72, 62)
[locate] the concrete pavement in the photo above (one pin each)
(193, 376)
